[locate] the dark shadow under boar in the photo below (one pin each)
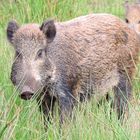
(69, 61)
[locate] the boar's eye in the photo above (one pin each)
(40, 53)
(126, 20)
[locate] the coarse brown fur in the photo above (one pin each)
(88, 55)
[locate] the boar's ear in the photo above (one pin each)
(11, 29)
(126, 5)
(49, 29)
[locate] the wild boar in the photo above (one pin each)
(132, 15)
(70, 61)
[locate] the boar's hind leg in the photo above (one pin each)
(122, 95)
(46, 106)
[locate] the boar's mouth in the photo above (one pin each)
(26, 95)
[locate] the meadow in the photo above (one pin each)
(21, 120)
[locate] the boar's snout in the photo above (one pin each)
(26, 93)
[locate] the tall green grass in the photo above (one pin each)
(21, 120)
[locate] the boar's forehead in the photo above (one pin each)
(29, 37)
(133, 11)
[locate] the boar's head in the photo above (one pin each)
(31, 68)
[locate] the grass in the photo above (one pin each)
(21, 120)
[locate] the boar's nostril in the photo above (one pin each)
(26, 95)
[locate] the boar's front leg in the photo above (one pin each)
(46, 105)
(66, 102)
